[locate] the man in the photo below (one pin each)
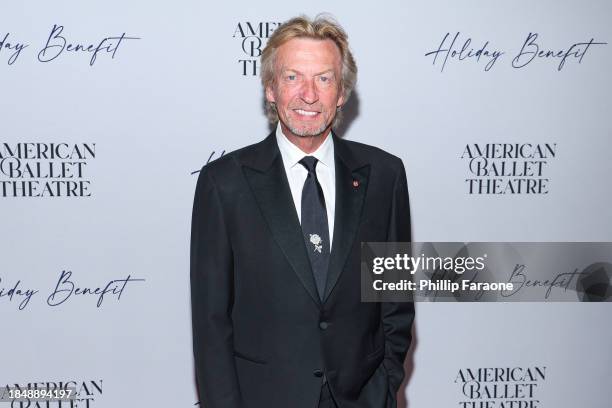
(277, 315)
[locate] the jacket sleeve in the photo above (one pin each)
(397, 316)
(211, 275)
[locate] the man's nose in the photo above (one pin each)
(309, 92)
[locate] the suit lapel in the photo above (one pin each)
(351, 185)
(265, 174)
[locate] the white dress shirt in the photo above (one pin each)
(296, 174)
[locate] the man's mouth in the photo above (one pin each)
(306, 112)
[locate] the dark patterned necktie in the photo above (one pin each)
(314, 224)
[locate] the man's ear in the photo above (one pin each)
(340, 102)
(270, 94)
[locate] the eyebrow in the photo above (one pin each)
(317, 74)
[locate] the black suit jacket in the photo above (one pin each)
(262, 337)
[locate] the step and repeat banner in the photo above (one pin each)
(500, 112)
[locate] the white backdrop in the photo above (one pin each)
(155, 109)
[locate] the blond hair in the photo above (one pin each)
(323, 27)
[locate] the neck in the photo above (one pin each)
(307, 144)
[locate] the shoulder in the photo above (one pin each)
(375, 156)
(228, 166)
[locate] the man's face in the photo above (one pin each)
(307, 86)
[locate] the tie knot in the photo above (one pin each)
(310, 162)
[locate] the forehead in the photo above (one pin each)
(307, 53)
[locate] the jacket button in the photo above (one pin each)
(318, 373)
(323, 325)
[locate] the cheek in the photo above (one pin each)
(331, 100)
(283, 97)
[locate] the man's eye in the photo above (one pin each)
(324, 79)
(291, 77)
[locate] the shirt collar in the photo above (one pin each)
(292, 154)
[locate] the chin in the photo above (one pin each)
(309, 130)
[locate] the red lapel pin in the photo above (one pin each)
(355, 183)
